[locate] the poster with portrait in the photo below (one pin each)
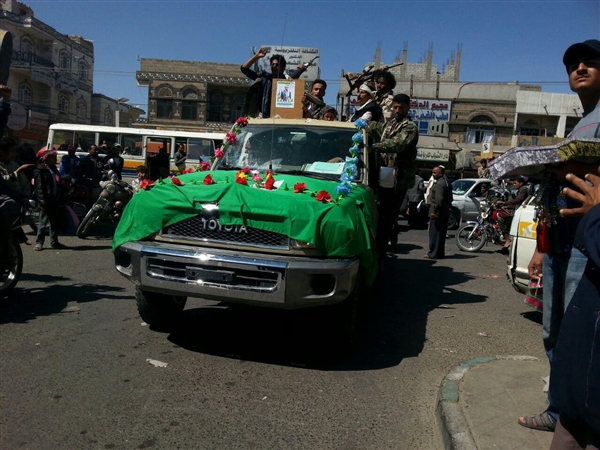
(285, 94)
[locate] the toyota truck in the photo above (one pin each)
(284, 218)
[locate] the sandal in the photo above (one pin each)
(542, 422)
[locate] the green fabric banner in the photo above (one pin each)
(337, 229)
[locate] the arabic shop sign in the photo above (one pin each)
(66, 83)
(424, 111)
(433, 154)
(294, 56)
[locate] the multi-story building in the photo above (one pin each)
(189, 95)
(457, 118)
(52, 78)
(51, 74)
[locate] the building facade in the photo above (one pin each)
(112, 112)
(188, 95)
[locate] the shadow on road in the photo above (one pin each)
(395, 329)
(534, 316)
(27, 304)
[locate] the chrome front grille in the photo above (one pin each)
(206, 227)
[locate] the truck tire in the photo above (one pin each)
(348, 318)
(159, 310)
(10, 277)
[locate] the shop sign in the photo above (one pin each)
(45, 77)
(433, 154)
(66, 83)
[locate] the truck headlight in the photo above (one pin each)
(300, 245)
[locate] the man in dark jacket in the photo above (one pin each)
(47, 193)
(439, 210)
(265, 80)
(114, 161)
(575, 374)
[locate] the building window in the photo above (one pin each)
(481, 133)
(63, 104)
(189, 110)
(109, 117)
(164, 109)
(64, 60)
(165, 92)
(25, 94)
(531, 128)
(27, 48)
(215, 109)
(83, 70)
(81, 109)
(237, 107)
(190, 94)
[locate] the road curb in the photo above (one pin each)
(454, 428)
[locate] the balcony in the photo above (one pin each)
(26, 59)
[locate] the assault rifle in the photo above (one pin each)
(356, 79)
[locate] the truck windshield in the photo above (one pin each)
(317, 149)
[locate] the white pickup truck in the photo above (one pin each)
(523, 241)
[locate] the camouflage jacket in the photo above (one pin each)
(399, 145)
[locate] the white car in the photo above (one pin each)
(463, 208)
(523, 234)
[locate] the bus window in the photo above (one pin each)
(84, 140)
(200, 148)
(132, 145)
(153, 144)
(110, 138)
(62, 140)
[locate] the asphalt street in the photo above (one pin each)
(75, 371)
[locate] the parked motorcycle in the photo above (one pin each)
(109, 206)
(473, 235)
(9, 277)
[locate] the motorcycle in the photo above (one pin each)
(9, 276)
(109, 206)
(473, 235)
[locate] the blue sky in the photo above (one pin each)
(502, 41)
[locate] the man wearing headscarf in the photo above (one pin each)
(368, 109)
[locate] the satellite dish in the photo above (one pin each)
(6, 47)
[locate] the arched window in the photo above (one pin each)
(165, 92)
(25, 94)
(63, 104)
(190, 94)
(189, 106)
(83, 69)
(109, 117)
(64, 60)
(531, 128)
(81, 109)
(482, 132)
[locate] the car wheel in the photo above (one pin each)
(453, 219)
(159, 310)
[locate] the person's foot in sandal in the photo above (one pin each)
(542, 422)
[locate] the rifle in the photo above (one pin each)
(355, 80)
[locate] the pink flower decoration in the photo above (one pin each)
(219, 153)
(242, 121)
(256, 178)
(204, 166)
(231, 138)
(190, 170)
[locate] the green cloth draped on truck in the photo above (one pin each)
(338, 230)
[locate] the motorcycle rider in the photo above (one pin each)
(91, 171)
(505, 220)
(69, 164)
(114, 161)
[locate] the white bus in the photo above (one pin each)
(137, 143)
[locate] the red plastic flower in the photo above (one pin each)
(231, 138)
(204, 166)
(190, 170)
(219, 153)
(208, 180)
(270, 183)
(242, 121)
(176, 181)
(147, 185)
(241, 178)
(323, 196)
(299, 188)
(246, 170)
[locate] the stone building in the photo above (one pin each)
(456, 117)
(188, 95)
(51, 74)
(112, 112)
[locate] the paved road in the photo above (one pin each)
(81, 380)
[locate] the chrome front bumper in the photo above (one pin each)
(237, 277)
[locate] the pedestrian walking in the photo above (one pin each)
(439, 201)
